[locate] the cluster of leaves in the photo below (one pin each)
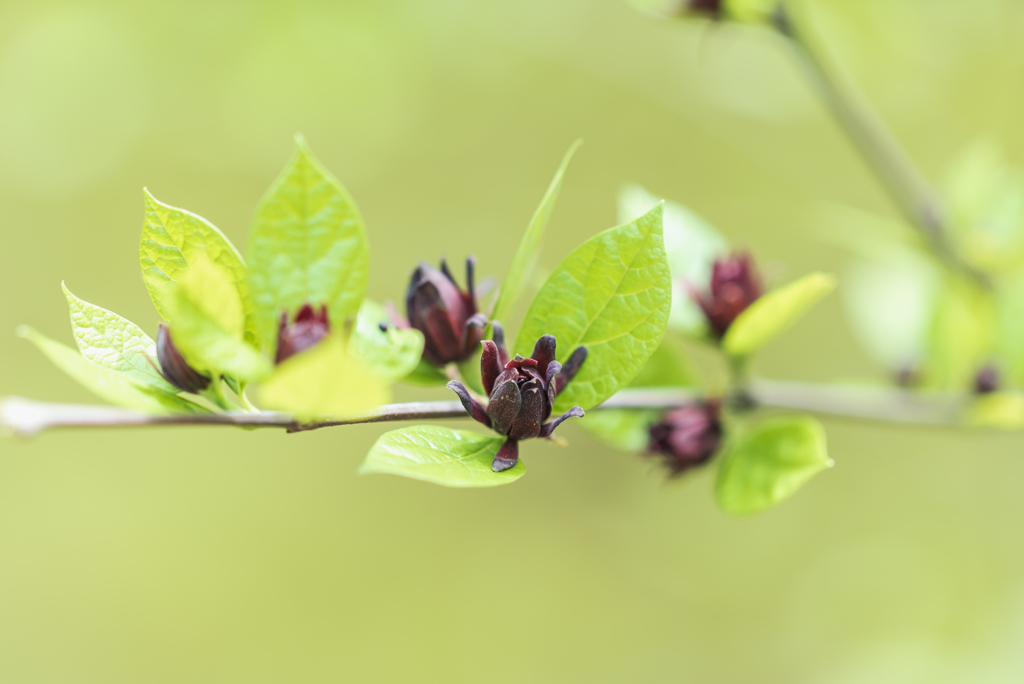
(307, 245)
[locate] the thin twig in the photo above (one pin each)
(906, 185)
(26, 417)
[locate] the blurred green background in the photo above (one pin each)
(208, 555)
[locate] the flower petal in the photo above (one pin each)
(507, 456)
(490, 366)
(574, 412)
(531, 411)
(570, 369)
(503, 408)
(544, 352)
(473, 407)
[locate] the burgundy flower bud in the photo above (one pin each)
(308, 329)
(173, 366)
(687, 436)
(521, 393)
(734, 286)
(447, 316)
(987, 380)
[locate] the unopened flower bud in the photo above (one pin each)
(446, 315)
(521, 393)
(987, 380)
(308, 329)
(173, 366)
(734, 286)
(687, 436)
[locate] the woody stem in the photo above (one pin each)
(26, 418)
(896, 171)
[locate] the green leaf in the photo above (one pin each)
(453, 458)
(774, 312)
(113, 386)
(750, 11)
(208, 323)
(173, 240)
(529, 247)
(391, 354)
(307, 246)
(769, 463)
(612, 295)
(426, 374)
(323, 382)
(114, 342)
(691, 244)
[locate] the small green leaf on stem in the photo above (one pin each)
(526, 255)
(113, 386)
(612, 295)
(114, 342)
(774, 312)
(173, 240)
(766, 465)
(453, 458)
(323, 382)
(307, 246)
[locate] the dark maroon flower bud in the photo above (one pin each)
(734, 286)
(521, 393)
(173, 366)
(687, 436)
(308, 329)
(987, 380)
(447, 316)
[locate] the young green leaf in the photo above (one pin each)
(114, 342)
(774, 312)
(768, 464)
(323, 382)
(208, 324)
(173, 240)
(529, 247)
(612, 295)
(453, 458)
(691, 245)
(116, 387)
(393, 353)
(307, 246)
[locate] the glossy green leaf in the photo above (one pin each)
(323, 382)
(774, 312)
(307, 246)
(114, 342)
(691, 245)
(393, 353)
(453, 458)
(208, 326)
(767, 464)
(110, 385)
(529, 247)
(173, 240)
(612, 295)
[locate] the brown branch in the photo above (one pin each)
(26, 417)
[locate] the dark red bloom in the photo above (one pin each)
(687, 436)
(521, 393)
(308, 329)
(987, 380)
(173, 366)
(447, 316)
(734, 286)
